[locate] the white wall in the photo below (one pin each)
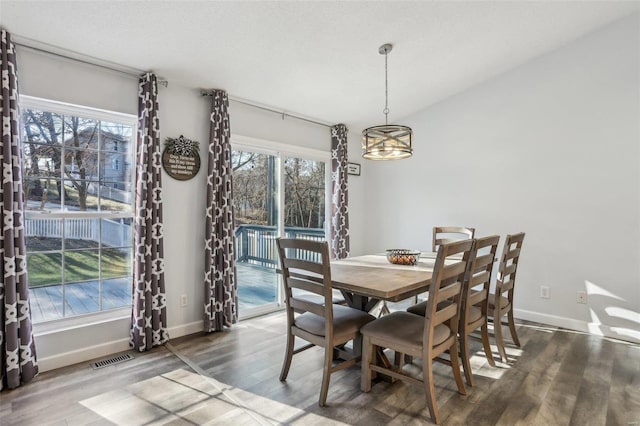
(550, 148)
(182, 111)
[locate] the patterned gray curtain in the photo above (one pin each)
(221, 297)
(18, 363)
(339, 193)
(149, 314)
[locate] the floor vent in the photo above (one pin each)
(111, 361)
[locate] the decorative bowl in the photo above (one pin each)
(403, 256)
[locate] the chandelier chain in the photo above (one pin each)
(386, 90)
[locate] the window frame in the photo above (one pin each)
(67, 109)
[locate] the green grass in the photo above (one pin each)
(46, 268)
(73, 197)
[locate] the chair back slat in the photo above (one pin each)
(303, 305)
(484, 260)
(479, 278)
(450, 234)
(306, 285)
(449, 291)
(447, 311)
(509, 270)
(304, 265)
(475, 297)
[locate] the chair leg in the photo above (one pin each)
(466, 364)
(497, 331)
(367, 356)
(484, 332)
(326, 376)
(455, 366)
(398, 361)
(512, 327)
(287, 357)
(430, 389)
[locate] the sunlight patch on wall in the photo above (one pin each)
(593, 289)
(594, 325)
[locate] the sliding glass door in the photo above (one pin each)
(256, 203)
(275, 193)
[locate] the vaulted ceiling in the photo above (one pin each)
(315, 58)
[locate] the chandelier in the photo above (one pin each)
(388, 141)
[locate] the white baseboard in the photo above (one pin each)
(81, 355)
(627, 335)
(186, 329)
(105, 349)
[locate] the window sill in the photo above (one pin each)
(81, 321)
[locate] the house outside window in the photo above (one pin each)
(79, 208)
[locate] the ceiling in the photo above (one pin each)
(317, 59)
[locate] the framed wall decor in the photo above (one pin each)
(353, 169)
(180, 158)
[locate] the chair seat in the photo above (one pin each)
(404, 329)
(346, 320)
(421, 308)
(492, 302)
(418, 309)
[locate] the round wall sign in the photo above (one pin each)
(180, 158)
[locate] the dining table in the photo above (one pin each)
(366, 280)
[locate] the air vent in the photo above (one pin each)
(111, 361)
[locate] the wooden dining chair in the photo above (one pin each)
(475, 302)
(319, 322)
(426, 337)
(501, 302)
(448, 234)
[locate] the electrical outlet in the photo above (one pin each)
(582, 297)
(183, 300)
(544, 292)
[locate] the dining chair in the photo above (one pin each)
(448, 234)
(426, 337)
(501, 302)
(475, 302)
(319, 322)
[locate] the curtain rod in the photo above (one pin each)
(284, 114)
(35, 46)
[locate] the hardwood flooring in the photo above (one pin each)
(557, 377)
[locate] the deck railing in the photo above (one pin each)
(256, 244)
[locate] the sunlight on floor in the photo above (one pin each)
(183, 395)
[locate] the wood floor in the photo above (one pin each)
(557, 377)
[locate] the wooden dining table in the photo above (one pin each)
(365, 280)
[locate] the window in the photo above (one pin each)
(78, 208)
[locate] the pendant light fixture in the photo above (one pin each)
(388, 141)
